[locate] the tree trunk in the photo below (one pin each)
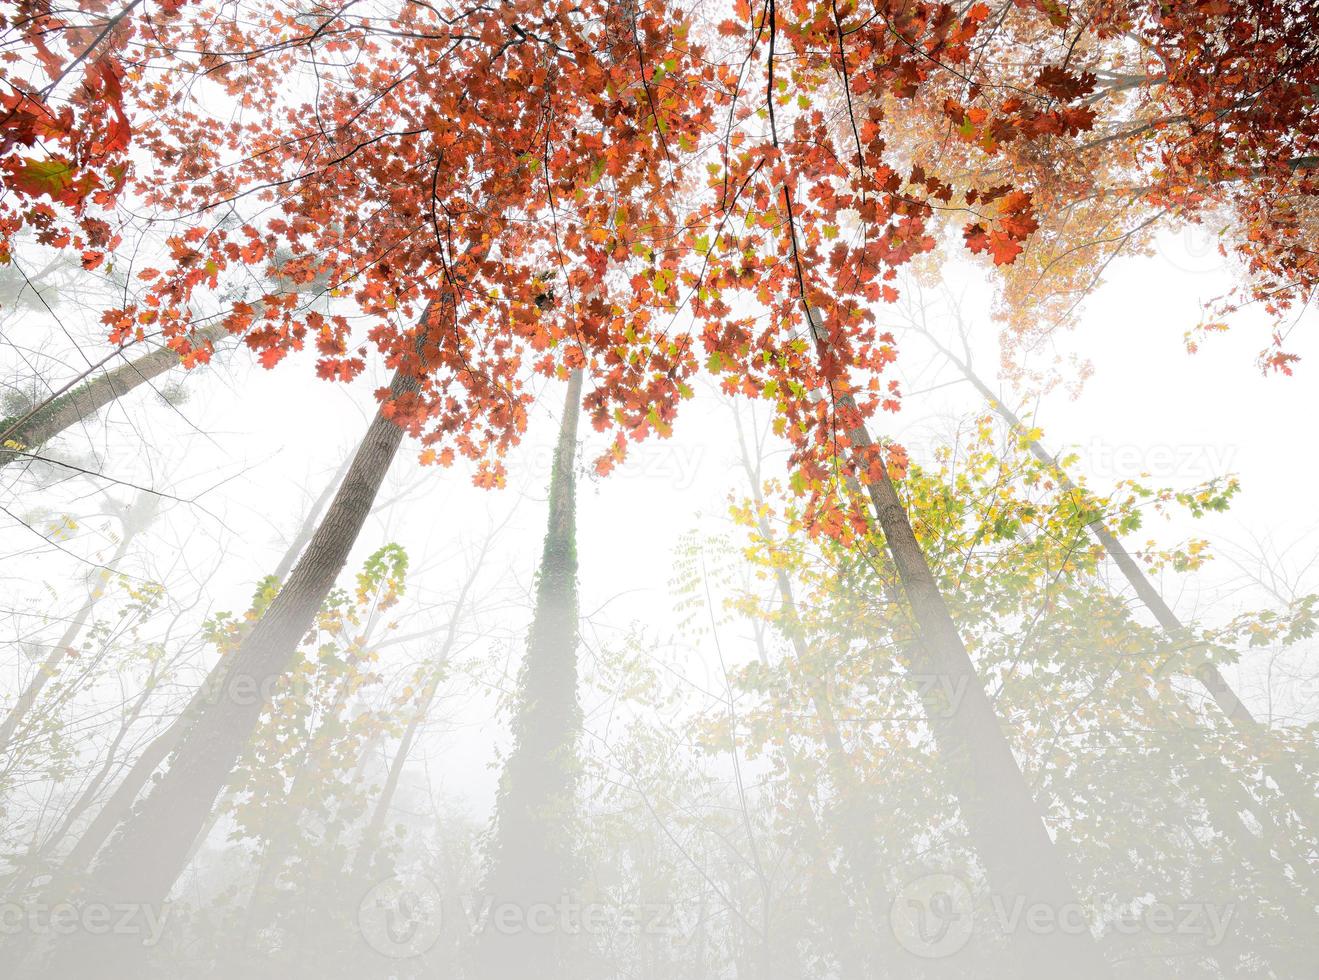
(1005, 823)
(299, 543)
(1299, 796)
(120, 803)
(141, 864)
(532, 855)
(45, 421)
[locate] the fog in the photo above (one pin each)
(1016, 680)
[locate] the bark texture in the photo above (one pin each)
(1005, 823)
(141, 864)
(47, 420)
(532, 859)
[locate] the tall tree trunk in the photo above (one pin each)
(532, 857)
(138, 516)
(276, 847)
(120, 803)
(140, 865)
(1300, 796)
(43, 422)
(308, 527)
(1005, 823)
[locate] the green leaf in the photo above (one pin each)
(50, 176)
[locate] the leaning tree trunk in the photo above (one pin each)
(308, 527)
(532, 855)
(141, 864)
(21, 434)
(1006, 825)
(120, 804)
(1299, 796)
(1005, 822)
(1296, 794)
(82, 398)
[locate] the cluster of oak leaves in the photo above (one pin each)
(643, 190)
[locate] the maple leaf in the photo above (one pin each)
(977, 239)
(1004, 248)
(1063, 85)
(489, 476)
(196, 354)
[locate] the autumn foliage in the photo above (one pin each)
(64, 125)
(647, 190)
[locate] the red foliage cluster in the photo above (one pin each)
(64, 126)
(624, 188)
